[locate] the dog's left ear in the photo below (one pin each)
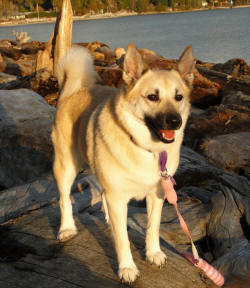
(186, 65)
(133, 65)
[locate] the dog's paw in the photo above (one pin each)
(158, 258)
(128, 274)
(66, 234)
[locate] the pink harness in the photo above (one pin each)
(168, 182)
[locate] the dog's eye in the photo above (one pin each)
(153, 97)
(178, 97)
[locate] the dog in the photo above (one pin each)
(119, 135)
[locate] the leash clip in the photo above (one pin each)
(164, 174)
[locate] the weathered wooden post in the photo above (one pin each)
(59, 42)
(62, 33)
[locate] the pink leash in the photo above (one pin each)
(168, 182)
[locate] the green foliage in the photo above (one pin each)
(42, 14)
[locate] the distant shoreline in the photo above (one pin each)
(105, 16)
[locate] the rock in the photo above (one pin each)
(106, 51)
(110, 76)
(119, 52)
(20, 200)
(159, 62)
(21, 67)
(4, 77)
(205, 92)
(235, 67)
(32, 47)
(5, 43)
(196, 111)
(44, 82)
(10, 67)
(32, 257)
(237, 97)
(25, 144)
(216, 120)
(228, 83)
(52, 99)
(147, 52)
(228, 231)
(194, 170)
(11, 52)
(98, 56)
(230, 152)
(62, 33)
(94, 46)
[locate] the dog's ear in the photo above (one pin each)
(133, 65)
(186, 65)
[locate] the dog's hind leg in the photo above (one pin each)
(117, 209)
(154, 208)
(65, 173)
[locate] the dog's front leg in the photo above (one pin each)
(154, 208)
(117, 209)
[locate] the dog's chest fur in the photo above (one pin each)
(118, 162)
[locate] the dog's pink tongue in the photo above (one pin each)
(167, 134)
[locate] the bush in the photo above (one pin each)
(41, 15)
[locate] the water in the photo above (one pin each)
(216, 35)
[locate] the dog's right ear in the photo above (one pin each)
(133, 65)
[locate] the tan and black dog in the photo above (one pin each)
(120, 135)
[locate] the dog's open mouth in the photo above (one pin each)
(159, 129)
(168, 135)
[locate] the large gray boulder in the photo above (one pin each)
(25, 143)
(229, 152)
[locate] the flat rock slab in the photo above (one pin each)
(20, 200)
(31, 257)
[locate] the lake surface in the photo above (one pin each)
(216, 35)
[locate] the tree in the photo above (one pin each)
(77, 6)
(142, 5)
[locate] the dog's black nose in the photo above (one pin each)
(173, 121)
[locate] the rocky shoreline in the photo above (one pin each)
(212, 180)
(89, 16)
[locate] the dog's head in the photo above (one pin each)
(159, 98)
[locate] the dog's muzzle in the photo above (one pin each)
(163, 126)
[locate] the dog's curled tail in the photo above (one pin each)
(75, 71)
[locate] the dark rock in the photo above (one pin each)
(230, 152)
(216, 120)
(52, 99)
(25, 144)
(227, 233)
(194, 170)
(238, 98)
(110, 76)
(44, 82)
(21, 67)
(11, 52)
(205, 92)
(235, 67)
